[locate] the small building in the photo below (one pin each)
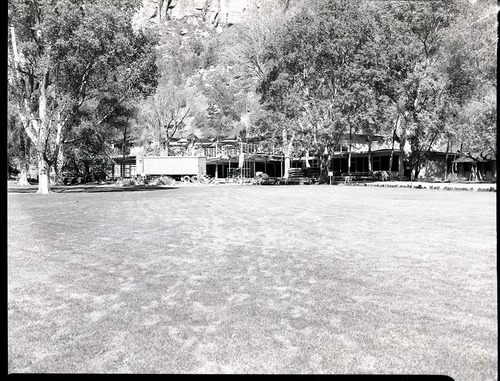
(381, 161)
(229, 166)
(123, 167)
(355, 154)
(363, 148)
(482, 167)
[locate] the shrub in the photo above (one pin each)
(155, 182)
(126, 182)
(163, 180)
(380, 175)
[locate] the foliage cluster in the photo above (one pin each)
(301, 75)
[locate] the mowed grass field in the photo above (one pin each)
(249, 279)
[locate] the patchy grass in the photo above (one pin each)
(228, 279)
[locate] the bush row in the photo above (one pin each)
(164, 180)
(419, 186)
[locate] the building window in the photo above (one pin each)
(360, 164)
(343, 164)
(336, 165)
(384, 163)
(353, 164)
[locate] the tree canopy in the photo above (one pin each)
(305, 75)
(64, 54)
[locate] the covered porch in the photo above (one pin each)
(228, 167)
(359, 163)
(476, 168)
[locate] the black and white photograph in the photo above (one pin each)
(252, 187)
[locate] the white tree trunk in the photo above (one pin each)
(370, 158)
(23, 177)
(402, 143)
(159, 10)
(287, 166)
(287, 149)
(307, 159)
(349, 157)
(43, 176)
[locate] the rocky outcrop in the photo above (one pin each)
(216, 13)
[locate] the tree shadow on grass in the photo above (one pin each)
(88, 189)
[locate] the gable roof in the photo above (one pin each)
(476, 157)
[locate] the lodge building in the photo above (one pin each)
(352, 156)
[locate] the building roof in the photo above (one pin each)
(464, 159)
(476, 157)
(251, 157)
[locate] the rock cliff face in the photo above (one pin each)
(215, 13)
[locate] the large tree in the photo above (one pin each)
(318, 77)
(90, 143)
(63, 54)
(179, 104)
(164, 115)
(412, 36)
(469, 67)
(19, 150)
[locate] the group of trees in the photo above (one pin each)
(81, 75)
(73, 69)
(420, 72)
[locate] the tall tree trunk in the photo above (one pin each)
(287, 166)
(42, 138)
(23, 177)
(402, 143)
(401, 169)
(287, 148)
(370, 158)
(391, 158)
(478, 173)
(25, 163)
(325, 164)
(37, 132)
(58, 165)
(349, 153)
(35, 128)
(124, 152)
(159, 12)
(417, 169)
(43, 175)
(59, 157)
(445, 177)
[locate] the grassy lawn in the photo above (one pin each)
(239, 279)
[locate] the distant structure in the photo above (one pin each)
(352, 157)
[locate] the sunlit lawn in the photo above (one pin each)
(249, 279)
